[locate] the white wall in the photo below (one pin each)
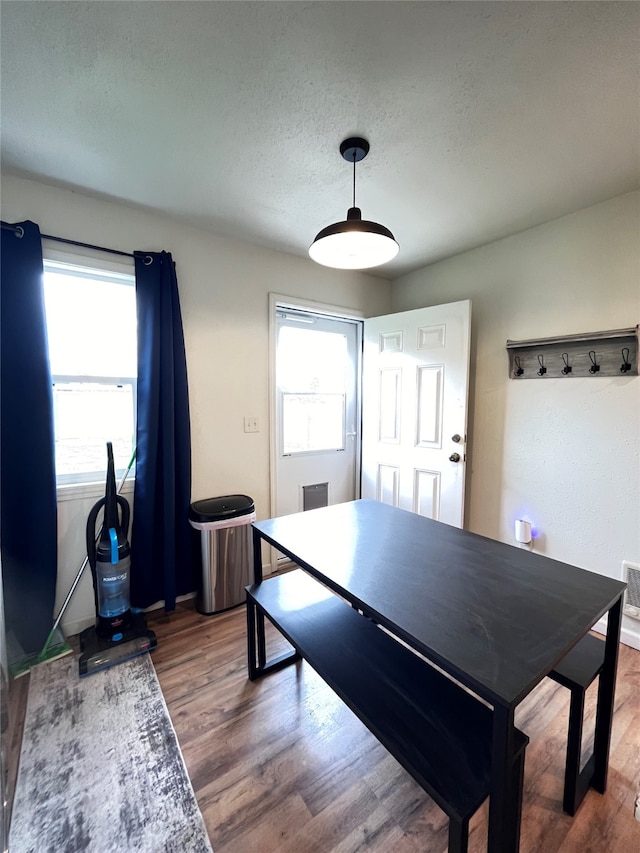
(562, 452)
(224, 287)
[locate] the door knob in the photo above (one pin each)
(455, 457)
(455, 438)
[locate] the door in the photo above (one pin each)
(415, 387)
(317, 406)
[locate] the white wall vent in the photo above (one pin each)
(631, 576)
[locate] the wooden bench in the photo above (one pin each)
(437, 731)
(577, 671)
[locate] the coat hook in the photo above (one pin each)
(567, 367)
(595, 367)
(519, 370)
(626, 364)
(543, 369)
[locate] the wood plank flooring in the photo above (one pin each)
(17, 691)
(282, 765)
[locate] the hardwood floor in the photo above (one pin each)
(282, 765)
(17, 691)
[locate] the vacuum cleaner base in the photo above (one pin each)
(99, 653)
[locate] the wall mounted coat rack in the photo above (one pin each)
(613, 353)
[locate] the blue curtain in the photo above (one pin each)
(28, 509)
(161, 539)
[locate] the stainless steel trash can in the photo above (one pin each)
(226, 547)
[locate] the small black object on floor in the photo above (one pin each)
(99, 652)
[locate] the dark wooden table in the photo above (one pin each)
(495, 617)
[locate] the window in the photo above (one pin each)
(91, 327)
(312, 367)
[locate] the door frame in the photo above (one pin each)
(278, 301)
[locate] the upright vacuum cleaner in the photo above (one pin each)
(120, 633)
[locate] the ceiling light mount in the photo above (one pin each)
(354, 149)
(354, 243)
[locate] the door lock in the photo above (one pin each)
(455, 438)
(455, 457)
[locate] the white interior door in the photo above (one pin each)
(414, 420)
(317, 410)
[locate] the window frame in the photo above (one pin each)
(91, 265)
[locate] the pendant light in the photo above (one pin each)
(356, 243)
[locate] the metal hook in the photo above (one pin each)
(626, 364)
(543, 369)
(519, 370)
(595, 367)
(567, 367)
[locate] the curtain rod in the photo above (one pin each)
(19, 231)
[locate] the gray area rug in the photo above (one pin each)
(100, 767)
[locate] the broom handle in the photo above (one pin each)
(85, 562)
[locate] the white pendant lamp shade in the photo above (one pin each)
(355, 243)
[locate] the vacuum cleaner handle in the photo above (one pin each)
(91, 545)
(92, 536)
(124, 520)
(91, 532)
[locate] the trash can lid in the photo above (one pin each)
(218, 509)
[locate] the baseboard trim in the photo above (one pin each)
(76, 626)
(627, 637)
(159, 604)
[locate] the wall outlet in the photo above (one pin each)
(251, 424)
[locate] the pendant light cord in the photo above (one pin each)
(354, 178)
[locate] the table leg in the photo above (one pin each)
(504, 802)
(257, 556)
(256, 622)
(606, 696)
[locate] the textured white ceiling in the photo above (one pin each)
(483, 118)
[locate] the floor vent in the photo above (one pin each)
(631, 576)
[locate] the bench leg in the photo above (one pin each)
(574, 747)
(458, 835)
(577, 782)
(252, 651)
(256, 645)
